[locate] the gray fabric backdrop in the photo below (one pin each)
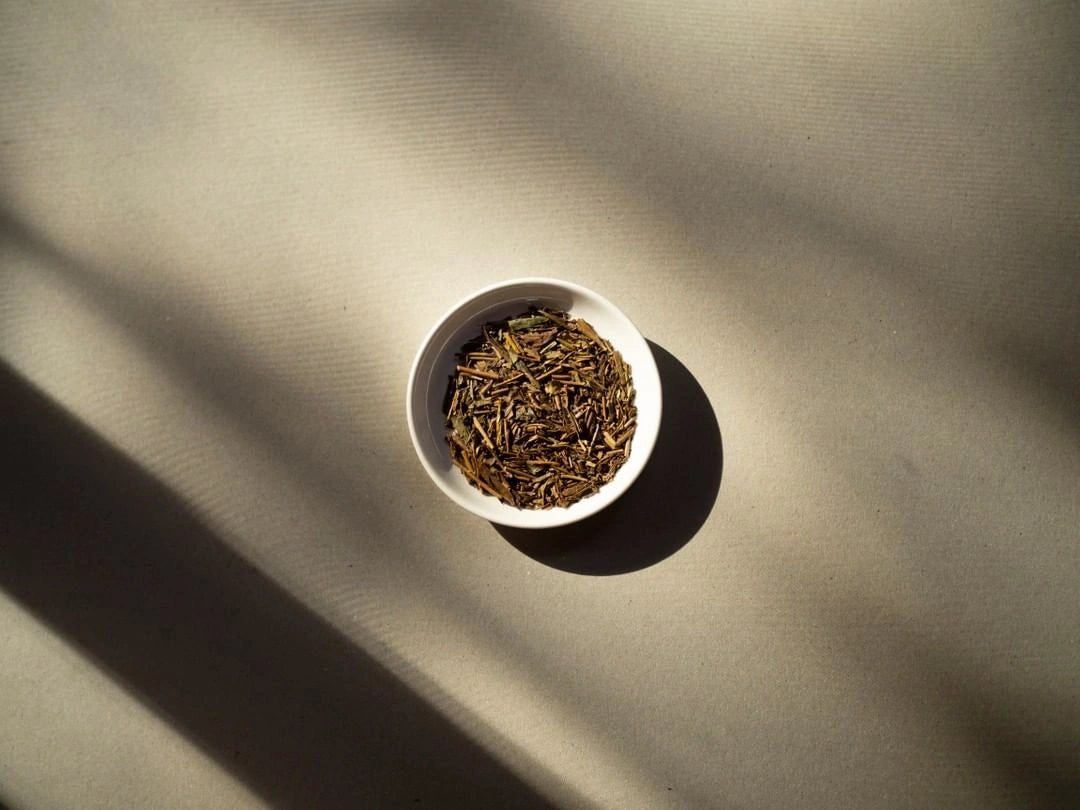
(849, 578)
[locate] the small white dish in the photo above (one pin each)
(434, 365)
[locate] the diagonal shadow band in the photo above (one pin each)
(664, 508)
(117, 564)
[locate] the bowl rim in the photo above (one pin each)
(499, 512)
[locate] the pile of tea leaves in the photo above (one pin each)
(540, 411)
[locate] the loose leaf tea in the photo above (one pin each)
(540, 411)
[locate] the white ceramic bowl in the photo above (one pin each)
(435, 362)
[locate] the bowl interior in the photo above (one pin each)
(434, 365)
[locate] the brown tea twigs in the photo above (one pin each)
(540, 410)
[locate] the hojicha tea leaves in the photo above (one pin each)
(540, 411)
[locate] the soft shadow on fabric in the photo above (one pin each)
(1014, 733)
(664, 508)
(116, 563)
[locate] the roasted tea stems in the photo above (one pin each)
(541, 410)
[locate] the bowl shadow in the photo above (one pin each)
(664, 508)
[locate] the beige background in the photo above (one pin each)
(852, 230)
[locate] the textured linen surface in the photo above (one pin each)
(849, 229)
